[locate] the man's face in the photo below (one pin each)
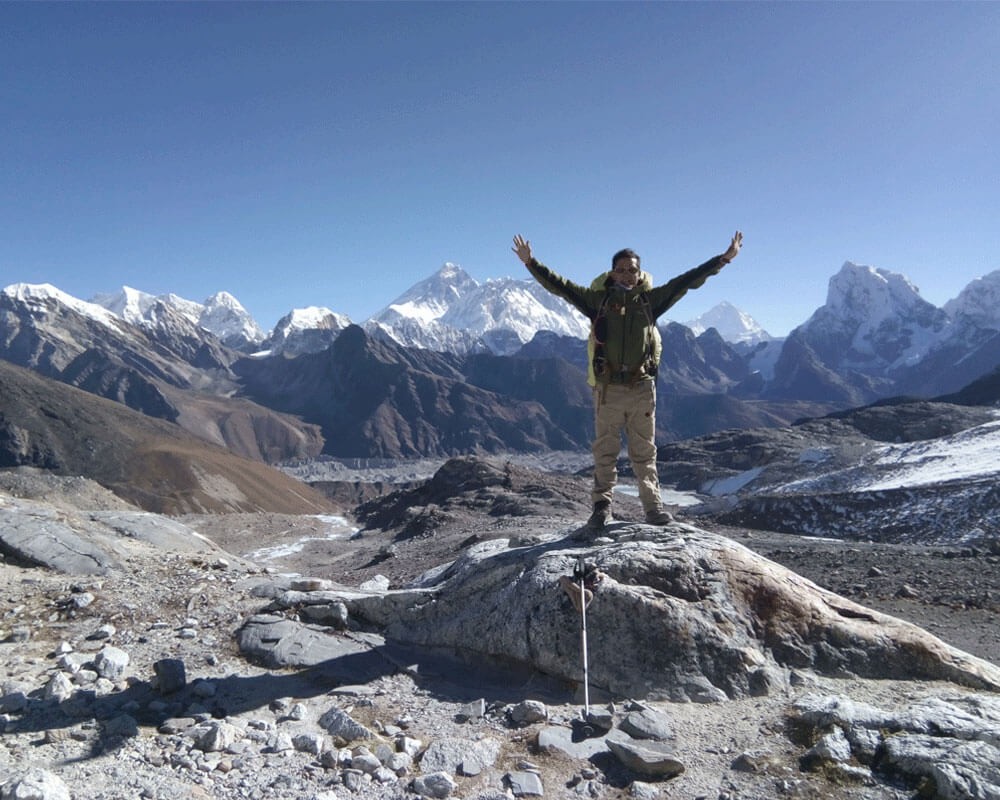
(626, 272)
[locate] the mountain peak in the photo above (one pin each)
(874, 320)
(864, 292)
(450, 271)
(732, 324)
(450, 310)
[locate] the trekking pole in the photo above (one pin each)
(583, 640)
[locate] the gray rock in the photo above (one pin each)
(960, 717)
(560, 739)
(384, 776)
(824, 711)
(170, 675)
(864, 743)
(961, 770)
(215, 736)
(352, 779)
(643, 791)
(59, 687)
(953, 741)
(313, 743)
(379, 583)
(831, 748)
(364, 759)
(435, 784)
(693, 605)
(473, 710)
(36, 533)
(342, 727)
(280, 642)
(648, 758)
(647, 724)
(602, 718)
(72, 662)
(528, 712)
(333, 615)
(111, 662)
(460, 756)
(13, 703)
(35, 784)
(524, 784)
(409, 745)
(399, 763)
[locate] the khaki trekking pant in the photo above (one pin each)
(628, 408)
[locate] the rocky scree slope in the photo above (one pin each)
(130, 685)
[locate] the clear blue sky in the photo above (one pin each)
(334, 154)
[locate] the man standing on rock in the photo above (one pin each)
(623, 316)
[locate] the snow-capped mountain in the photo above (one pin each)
(867, 341)
(874, 321)
(874, 338)
(451, 311)
(304, 330)
(44, 298)
(85, 344)
(733, 325)
(978, 303)
(221, 314)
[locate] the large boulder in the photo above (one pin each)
(680, 614)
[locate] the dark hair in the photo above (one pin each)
(626, 253)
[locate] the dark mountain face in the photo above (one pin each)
(546, 344)
(558, 386)
(374, 398)
(982, 392)
(149, 462)
(696, 364)
(953, 365)
(801, 374)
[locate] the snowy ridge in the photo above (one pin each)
(221, 314)
(978, 303)
(40, 296)
(452, 311)
(304, 330)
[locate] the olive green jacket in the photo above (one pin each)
(623, 321)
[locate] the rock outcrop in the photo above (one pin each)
(681, 614)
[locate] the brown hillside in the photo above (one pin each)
(152, 463)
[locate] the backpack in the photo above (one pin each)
(596, 360)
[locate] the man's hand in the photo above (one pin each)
(523, 249)
(734, 247)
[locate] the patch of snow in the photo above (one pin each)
(966, 456)
(340, 528)
(669, 497)
(732, 484)
(814, 455)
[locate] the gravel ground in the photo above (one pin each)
(189, 608)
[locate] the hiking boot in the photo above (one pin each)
(657, 516)
(601, 515)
